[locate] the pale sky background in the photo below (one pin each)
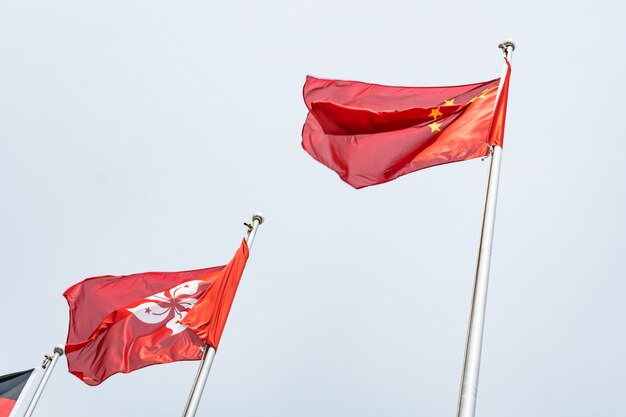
(139, 135)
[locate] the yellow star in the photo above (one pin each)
(434, 127)
(434, 113)
(448, 102)
(482, 95)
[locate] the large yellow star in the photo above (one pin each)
(434, 127)
(434, 113)
(448, 102)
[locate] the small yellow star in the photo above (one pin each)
(448, 102)
(481, 95)
(434, 113)
(434, 127)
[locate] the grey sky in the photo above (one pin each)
(138, 136)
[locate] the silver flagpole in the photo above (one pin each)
(48, 364)
(471, 366)
(19, 404)
(208, 351)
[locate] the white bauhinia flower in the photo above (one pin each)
(160, 307)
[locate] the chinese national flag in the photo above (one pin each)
(370, 134)
(11, 386)
(124, 323)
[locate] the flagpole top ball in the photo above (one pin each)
(258, 216)
(59, 349)
(506, 45)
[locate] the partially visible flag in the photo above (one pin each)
(11, 386)
(370, 134)
(124, 323)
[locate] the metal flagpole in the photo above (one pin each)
(208, 351)
(473, 346)
(48, 364)
(32, 380)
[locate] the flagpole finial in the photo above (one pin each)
(257, 220)
(258, 216)
(59, 349)
(505, 47)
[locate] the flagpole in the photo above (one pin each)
(208, 352)
(18, 406)
(473, 346)
(48, 364)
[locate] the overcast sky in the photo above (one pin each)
(139, 135)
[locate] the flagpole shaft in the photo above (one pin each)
(18, 407)
(209, 352)
(58, 352)
(473, 347)
(198, 385)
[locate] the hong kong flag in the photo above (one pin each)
(124, 323)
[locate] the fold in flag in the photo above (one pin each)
(124, 323)
(11, 386)
(370, 134)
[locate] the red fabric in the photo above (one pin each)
(124, 323)
(6, 405)
(208, 317)
(370, 134)
(496, 135)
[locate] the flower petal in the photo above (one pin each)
(150, 312)
(186, 288)
(175, 324)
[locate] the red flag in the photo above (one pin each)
(124, 323)
(208, 316)
(370, 134)
(11, 386)
(496, 134)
